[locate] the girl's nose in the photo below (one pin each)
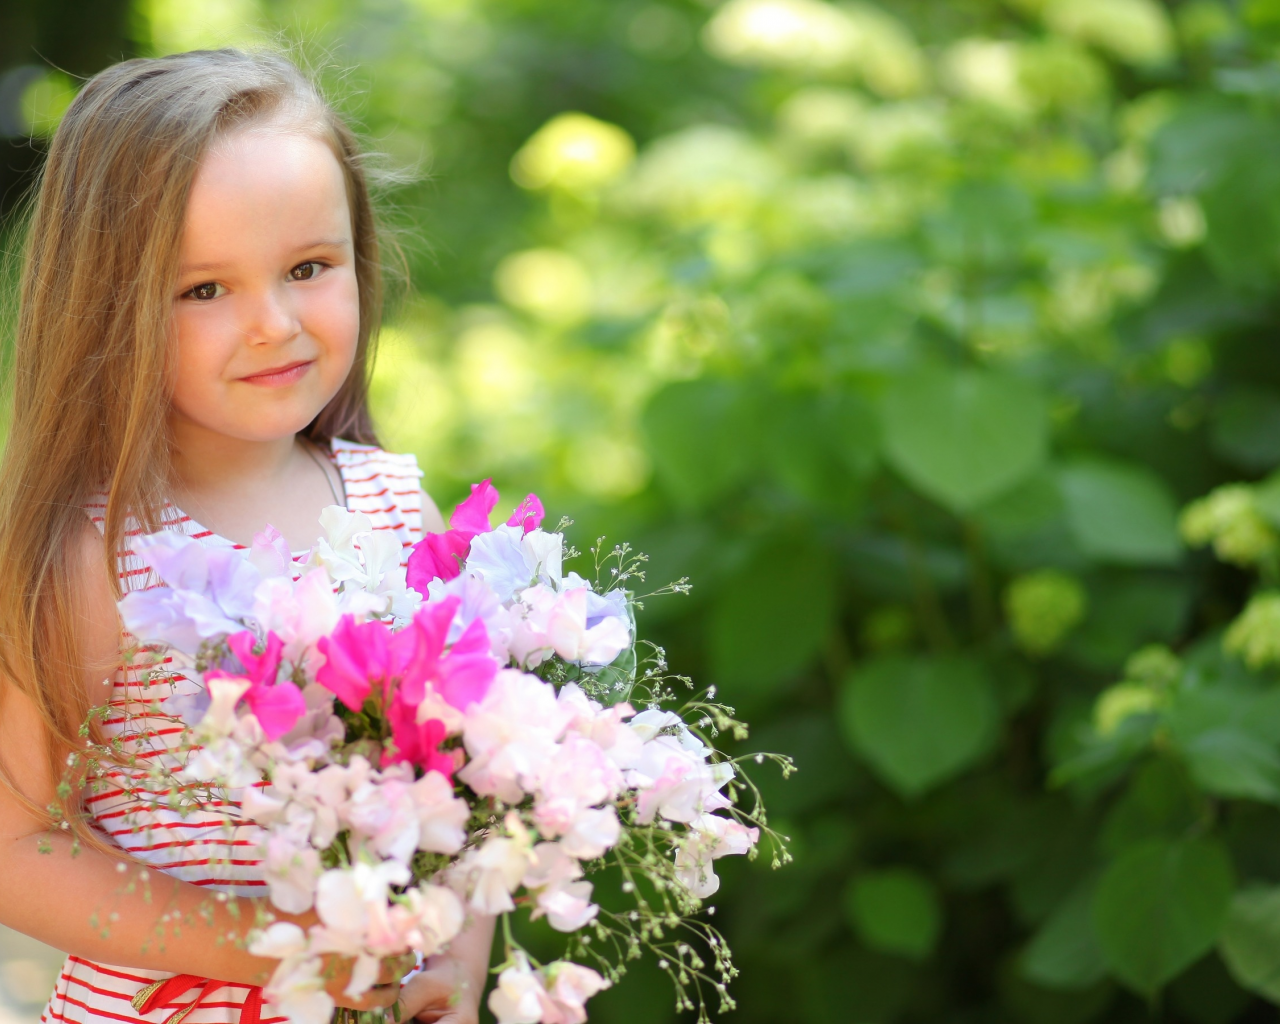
(272, 319)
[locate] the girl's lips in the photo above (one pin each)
(280, 378)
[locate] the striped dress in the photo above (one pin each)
(201, 848)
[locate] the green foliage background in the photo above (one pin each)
(936, 343)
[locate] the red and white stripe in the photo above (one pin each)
(210, 848)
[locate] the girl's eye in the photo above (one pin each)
(305, 271)
(205, 292)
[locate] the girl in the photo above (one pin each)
(198, 304)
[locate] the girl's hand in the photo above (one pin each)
(441, 994)
(385, 991)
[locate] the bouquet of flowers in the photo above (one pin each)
(476, 734)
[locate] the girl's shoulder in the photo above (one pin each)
(351, 456)
(386, 486)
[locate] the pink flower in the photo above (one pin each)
(437, 556)
(277, 705)
(528, 514)
(270, 553)
(292, 868)
(442, 555)
(462, 676)
(417, 744)
(355, 656)
(568, 986)
(580, 775)
(568, 906)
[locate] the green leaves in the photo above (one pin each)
(698, 435)
(770, 620)
(1159, 907)
(895, 911)
(919, 721)
(1121, 513)
(963, 436)
(1065, 953)
(1250, 942)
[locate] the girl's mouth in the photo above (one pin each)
(281, 376)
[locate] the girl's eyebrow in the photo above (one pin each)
(320, 243)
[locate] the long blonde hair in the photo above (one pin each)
(92, 350)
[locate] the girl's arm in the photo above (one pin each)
(96, 905)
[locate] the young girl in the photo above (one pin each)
(198, 302)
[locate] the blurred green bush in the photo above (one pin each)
(936, 343)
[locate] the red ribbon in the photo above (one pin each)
(161, 992)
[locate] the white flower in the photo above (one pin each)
(296, 986)
(518, 996)
(675, 781)
(509, 560)
(593, 831)
(441, 815)
(437, 916)
(511, 736)
(363, 561)
(292, 868)
(492, 873)
(710, 836)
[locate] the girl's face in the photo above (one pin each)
(267, 312)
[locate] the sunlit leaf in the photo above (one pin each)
(963, 436)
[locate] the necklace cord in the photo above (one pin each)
(337, 500)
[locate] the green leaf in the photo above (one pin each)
(895, 911)
(1127, 612)
(1065, 953)
(1225, 736)
(1159, 907)
(1250, 942)
(919, 721)
(765, 633)
(1121, 513)
(699, 435)
(1246, 428)
(963, 436)
(820, 446)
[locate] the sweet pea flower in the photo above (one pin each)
(441, 555)
(299, 613)
(568, 906)
(436, 915)
(511, 561)
(519, 995)
(528, 514)
(277, 705)
(223, 740)
(571, 635)
(442, 817)
(568, 986)
(488, 876)
(296, 987)
(592, 832)
(675, 781)
(270, 555)
(208, 592)
(710, 837)
(511, 735)
(579, 776)
(292, 868)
